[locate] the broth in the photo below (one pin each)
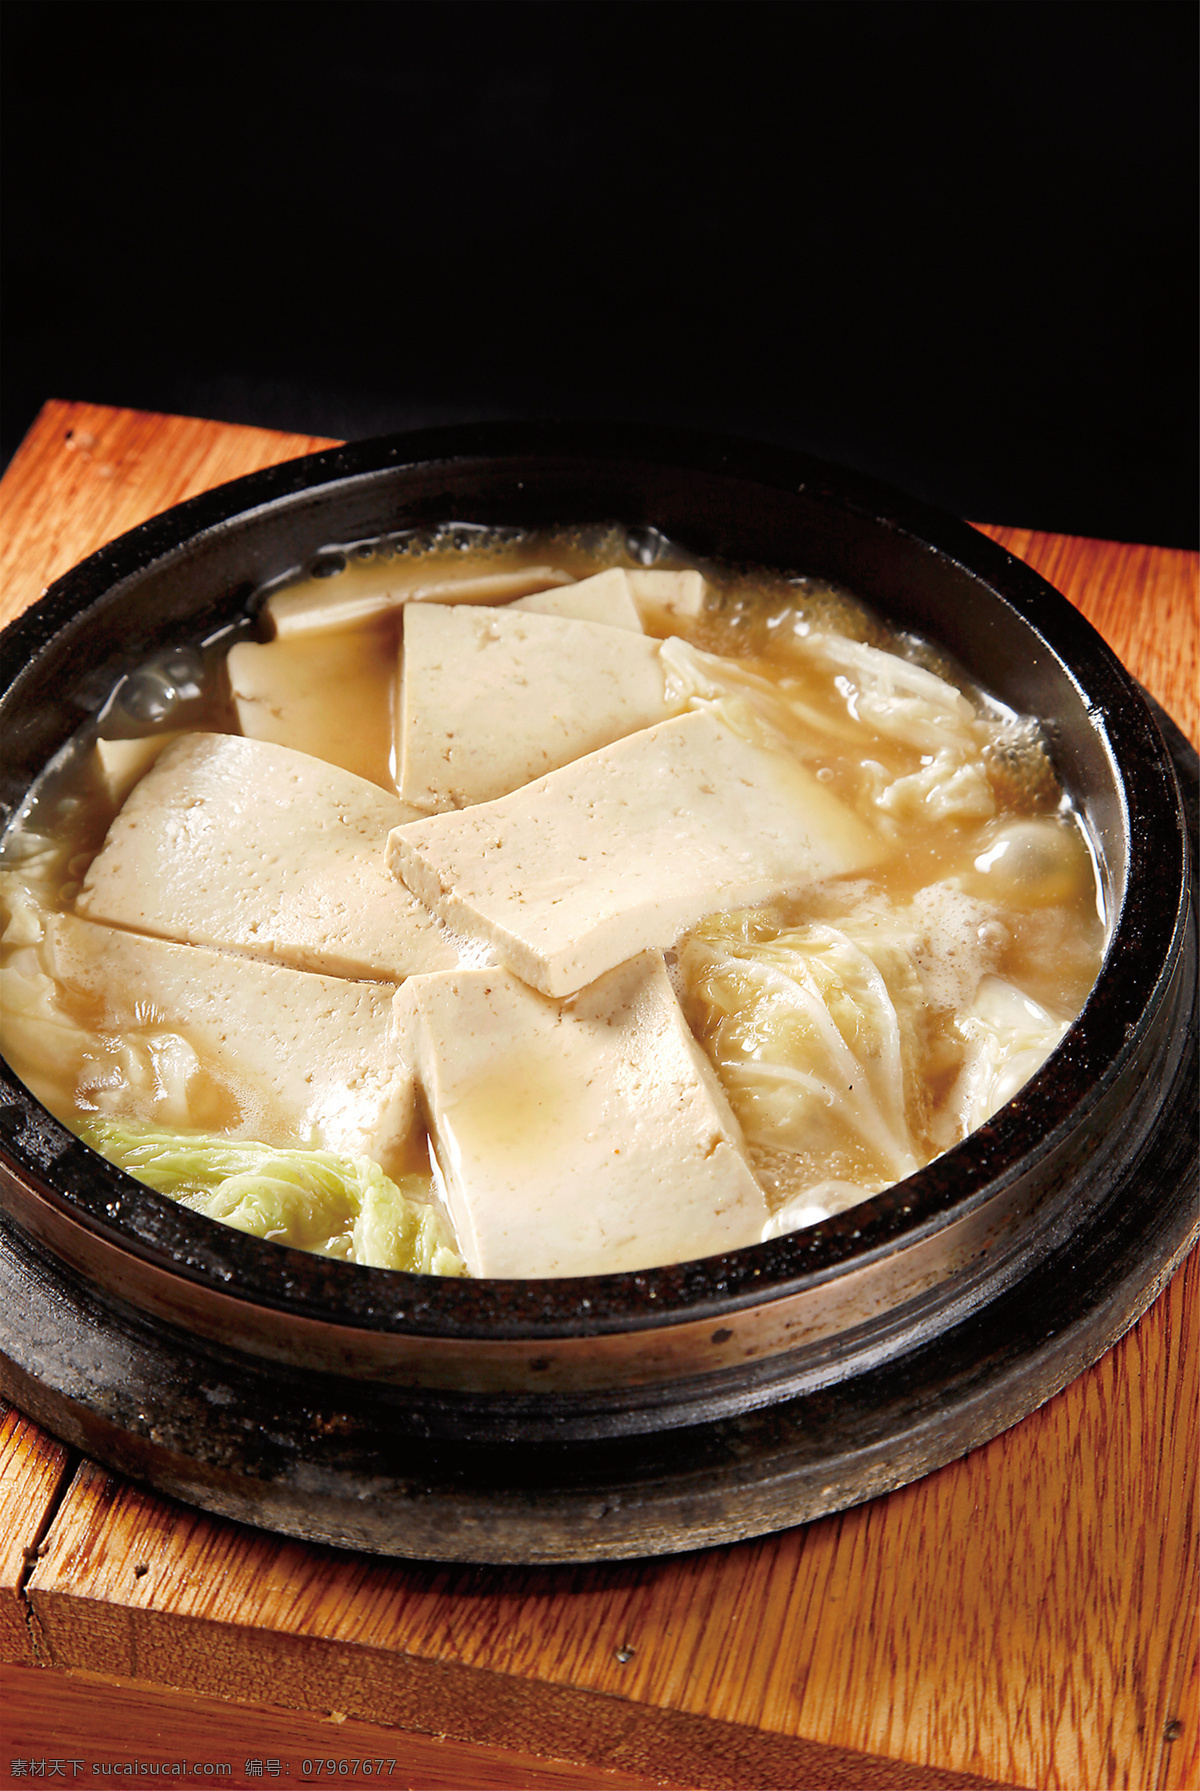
(857, 1023)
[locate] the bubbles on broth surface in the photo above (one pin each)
(646, 546)
(156, 690)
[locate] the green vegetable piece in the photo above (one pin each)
(311, 1199)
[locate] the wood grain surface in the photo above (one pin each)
(1144, 601)
(34, 1468)
(96, 1719)
(85, 473)
(1025, 1616)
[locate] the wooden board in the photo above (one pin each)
(89, 1719)
(85, 474)
(1026, 1616)
(987, 1619)
(1144, 601)
(35, 1468)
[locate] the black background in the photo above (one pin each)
(951, 244)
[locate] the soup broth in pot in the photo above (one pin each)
(526, 904)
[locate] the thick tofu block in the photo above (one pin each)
(329, 695)
(625, 849)
(668, 597)
(493, 698)
(367, 592)
(254, 848)
(280, 1056)
(605, 597)
(578, 1137)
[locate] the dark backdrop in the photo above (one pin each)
(951, 244)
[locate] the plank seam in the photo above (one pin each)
(35, 1550)
(480, 1706)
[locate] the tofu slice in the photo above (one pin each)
(493, 698)
(254, 848)
(668, 597)
(573, 874)
(120, 763)
(368, 592)
(280, 1055)
(605, 597)
(578, 1137)
(330, 695)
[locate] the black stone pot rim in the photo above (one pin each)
(1143, 948)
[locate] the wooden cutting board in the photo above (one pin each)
(1026, 1616)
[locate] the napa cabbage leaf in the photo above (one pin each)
(311, 1199)
(930, 724)
(1009, 1036)
(815, 1034)
(69, 1065)
(853, 1054)
(897, 697)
